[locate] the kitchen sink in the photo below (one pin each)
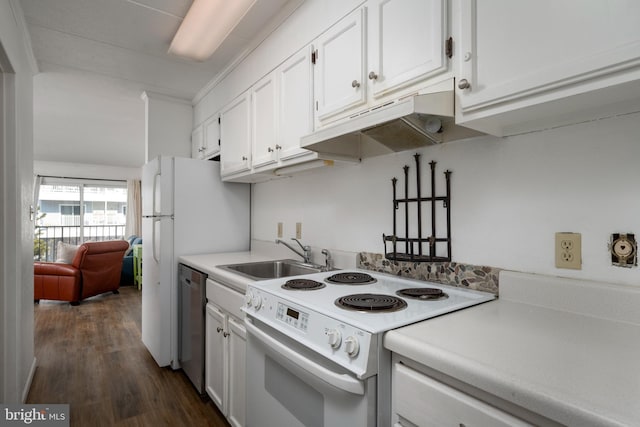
(272, 269)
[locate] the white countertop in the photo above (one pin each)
(562, 362)
(260, 251)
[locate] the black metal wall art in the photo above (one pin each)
(419, 248)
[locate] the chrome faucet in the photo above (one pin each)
(328, 261)
(306, 250)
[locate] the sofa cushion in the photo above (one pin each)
(65, 252)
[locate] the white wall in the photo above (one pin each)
(81, 117)
(509, 197)
(17, 362)
(168, 124)
(86, 171)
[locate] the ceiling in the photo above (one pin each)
(96, 57)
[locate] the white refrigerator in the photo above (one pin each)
(186, 210)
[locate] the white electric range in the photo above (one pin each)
(314, 343)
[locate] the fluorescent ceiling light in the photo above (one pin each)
(207, 24)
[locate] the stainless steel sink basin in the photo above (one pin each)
(272, 269)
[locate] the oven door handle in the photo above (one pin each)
(341, 381)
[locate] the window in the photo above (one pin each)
(75, 210)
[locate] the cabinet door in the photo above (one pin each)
(405, 42)
(419, 400)
(235, 136)
(212, 136)
(264, 107)
(339, 69)
(295, 85)
(197, 143)
(216, 373)
(513, 55)
(237, 350)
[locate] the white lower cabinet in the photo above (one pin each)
(215, 354)
(237, 350)
(225, 352)
(419, 400)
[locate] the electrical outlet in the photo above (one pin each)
(569, 250)
(279, 230)
(624, 250)
(298, 230)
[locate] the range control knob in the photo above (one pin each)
(248, 299)
(257, 302)
(335, 339)
(352, 347)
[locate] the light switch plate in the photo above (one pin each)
(569, 250)
(298, 230)
(279, 230)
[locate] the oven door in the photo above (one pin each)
(289, 385)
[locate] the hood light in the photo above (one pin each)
(433, 125)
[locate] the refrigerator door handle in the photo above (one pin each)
(153, 240)
(155, 187)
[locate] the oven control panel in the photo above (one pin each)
(292, 317)
(340, 342)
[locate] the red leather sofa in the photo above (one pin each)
(95, 269)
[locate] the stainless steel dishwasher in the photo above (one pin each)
(192, 334)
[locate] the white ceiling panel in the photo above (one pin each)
(118, 23)
(176, 78)
(173, 7)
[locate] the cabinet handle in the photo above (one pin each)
(226, 334)
(373, 76)
(244, 158)
(219, 329)
(270, 150)
(278, 147)
(464, 84)
(355, 83)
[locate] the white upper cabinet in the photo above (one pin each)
(211, 137)
(264, 107)
(197, 143)
(339, 67)
(523, 66)
(281, 113)
(205, 139)
(382, 51)
(406, 42)
(235, 136)
(295, 89)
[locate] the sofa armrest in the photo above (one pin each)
(55, 269)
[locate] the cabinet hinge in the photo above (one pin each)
(219, 120)
(448, 47)
(218, 141)
(314, 56)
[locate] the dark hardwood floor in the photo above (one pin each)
(91, 356)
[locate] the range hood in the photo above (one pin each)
(407, 123)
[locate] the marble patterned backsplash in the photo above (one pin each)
(480, 278)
